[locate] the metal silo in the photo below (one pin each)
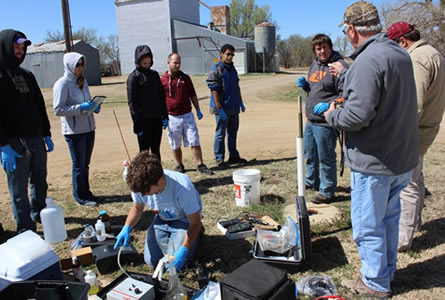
(265, 45)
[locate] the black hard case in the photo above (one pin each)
(304, 247)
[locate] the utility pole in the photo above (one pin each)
(67, 26)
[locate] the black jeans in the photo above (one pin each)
(150, 139)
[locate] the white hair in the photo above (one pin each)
(368, 29)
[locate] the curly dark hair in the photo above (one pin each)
(144, 171)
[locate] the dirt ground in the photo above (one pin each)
(267, 131)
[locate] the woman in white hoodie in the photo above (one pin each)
(72, 102)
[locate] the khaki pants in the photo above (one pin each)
(412, 202)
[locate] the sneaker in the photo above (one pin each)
(359, 288)
(202, 168)
(87, 203)
(180, 168)
(221, 164)
(320, 199)
(238, 160)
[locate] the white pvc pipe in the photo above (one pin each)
(300, 167)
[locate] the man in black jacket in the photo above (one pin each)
(24, 131)
(146, 99)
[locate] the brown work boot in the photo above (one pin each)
(320, 199)
(358, 289)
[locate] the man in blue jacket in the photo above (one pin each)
(225, 103)
(379, 118)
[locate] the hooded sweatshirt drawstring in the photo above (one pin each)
(170, 84)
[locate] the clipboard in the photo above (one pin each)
(97, 100)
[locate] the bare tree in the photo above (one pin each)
(342, 45)
(245, 15)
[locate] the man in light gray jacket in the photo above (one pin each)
(379, 118)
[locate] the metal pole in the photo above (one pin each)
(67, 26)
(300, 149)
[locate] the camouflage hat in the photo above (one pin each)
(361, 13)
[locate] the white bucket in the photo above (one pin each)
(247, 186)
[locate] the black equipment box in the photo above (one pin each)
(160, 286)
(256, 280)
(105, 257)
(300, 254)
(45, 289)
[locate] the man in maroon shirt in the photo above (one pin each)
(180, 93)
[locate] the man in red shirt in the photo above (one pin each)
(180, 93)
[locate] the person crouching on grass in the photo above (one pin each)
(176, 203)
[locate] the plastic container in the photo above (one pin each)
(91, 279)
(100, 231)
(53, 222)
(247, 186)
(78, 272)
(104, 217)
(89, 234)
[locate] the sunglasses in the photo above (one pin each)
(80, 64)
(230, 54)
(345, 30)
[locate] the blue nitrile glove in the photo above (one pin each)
(86, 105)
(97, 110)
(302, 83)
(222, 114)
(199, 114)
(140, 133)
(49, 144)
(243, 108)
(8, 158)
(321, 108)
(180, 257)
(123, 237)
(165, 123)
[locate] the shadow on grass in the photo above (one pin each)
(432, 237)
(105, 199)
(271, 199)
(420, 276)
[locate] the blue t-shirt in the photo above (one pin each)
(178, 199)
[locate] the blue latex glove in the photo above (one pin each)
(222, 114)
(123, 237)
(165, 123)
(86, 105)
(49, 144)
(97, 110)
(243, 108)
(181, 257)
(199, 114)
(8, 158)
(140, 133)
(320, 108)
(302, 83)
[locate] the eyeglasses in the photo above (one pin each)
(345, 30)
(80, 64)
(230, 54)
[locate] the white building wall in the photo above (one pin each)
(142, 22)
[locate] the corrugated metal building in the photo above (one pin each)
(45, 60)
(173, 26)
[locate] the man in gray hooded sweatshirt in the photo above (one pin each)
(24, 131)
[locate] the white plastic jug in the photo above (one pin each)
(53, 222)
(100, 231)
(247, 186)
(91, 279)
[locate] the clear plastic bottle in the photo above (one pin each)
(91, 279)
(104, 217)
(175, 290)
(53, 222)
(100, 231)
(78, 272)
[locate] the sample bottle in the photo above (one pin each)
(100, 231)
(53, 222)
(78, 272)
(91, 279)
(104, 217)
(175, 290)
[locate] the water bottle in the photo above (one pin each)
(100, 231)
(91, 279)
(53, 222)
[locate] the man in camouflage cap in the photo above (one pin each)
(379, 118)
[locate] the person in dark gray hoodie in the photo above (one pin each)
(319, 138)
(146, 100)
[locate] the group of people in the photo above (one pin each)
(393, 100)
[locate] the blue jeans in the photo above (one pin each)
(159, 230)
(229, 125)
(321, 159)
(81, 148)
(30, 168)
(375, 214)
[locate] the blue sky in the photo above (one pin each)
(36, 17)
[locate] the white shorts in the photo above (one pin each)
(182, 127)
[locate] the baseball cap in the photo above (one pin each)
(20, 39)
(361, 13)
(398, 29)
